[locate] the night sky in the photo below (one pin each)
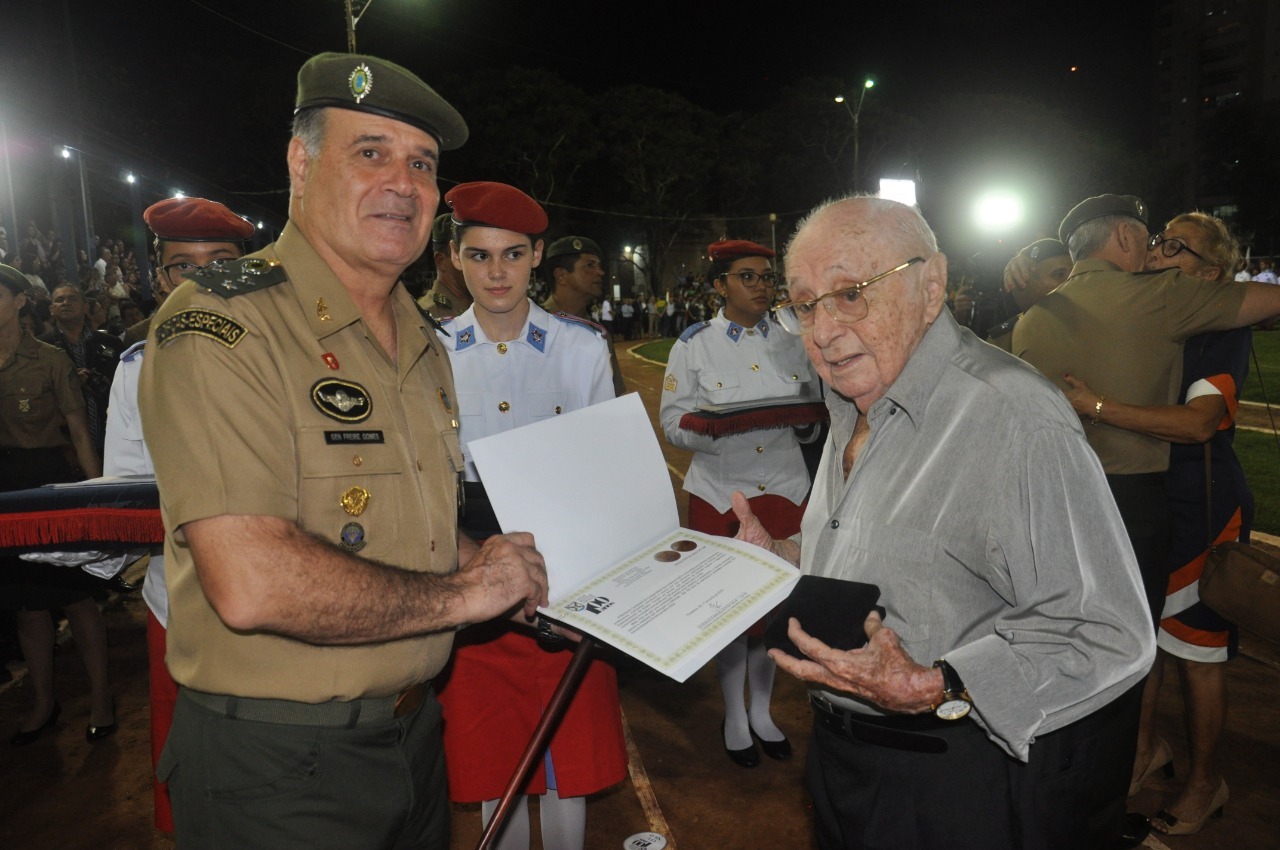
(205, 87)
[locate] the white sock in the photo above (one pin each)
(564, 821)
(731, 667)
(761, 670)
(515, 832)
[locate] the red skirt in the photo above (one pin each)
(493, 694)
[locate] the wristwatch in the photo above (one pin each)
(955, 702)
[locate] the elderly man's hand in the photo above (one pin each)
(1020, 271)
(751, 530)
(881, 672)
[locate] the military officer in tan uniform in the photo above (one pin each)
(448, 296)
(572, 265)
(308, 458)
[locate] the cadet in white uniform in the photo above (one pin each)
(742, 355)
(514, 364)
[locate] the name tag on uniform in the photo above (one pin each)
(341, 438)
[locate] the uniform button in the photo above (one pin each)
(357, 460)
(795, 377)
(503, 407)
(502, 348)
(755, 367)
(719, 385)
(751, 333)
(760, 487)
(559, 410)
(759, 450)
(419, 466)
(835, 523)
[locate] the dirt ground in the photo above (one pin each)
(62, 792)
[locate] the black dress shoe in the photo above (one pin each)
(21, 739)
(747, 757)
(1134, 830)
(779, 750)
(94, 734)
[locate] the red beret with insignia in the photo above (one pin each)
(195, 220)
(496, 205)
(735, 249)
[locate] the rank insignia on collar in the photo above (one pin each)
(322, 310)
(466, 337)
(341, 400)
(355, 500)
(361, 81)
(351, 537)
(763, 327)
(537, 337)
(734, 331)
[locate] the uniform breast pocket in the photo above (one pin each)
(719, 386)
(350, 492)
(547, 403)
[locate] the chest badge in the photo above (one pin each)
(24, 405)
(341, 400)
(351, 537)
(355, 500)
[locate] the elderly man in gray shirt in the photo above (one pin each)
(988, 708)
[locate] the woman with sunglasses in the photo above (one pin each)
(1194, 636)
(739, 357)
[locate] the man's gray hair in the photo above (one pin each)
(308, 125)
(903, 224)
(1088, 239)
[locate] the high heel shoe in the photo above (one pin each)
(1161, 759)
(780, 750)
(21, 739)
(1170, 825)
(94, 734)
(746, 757)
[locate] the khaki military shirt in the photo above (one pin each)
(38, 388)
(441, 303)
(1122, 334)
(276, 402)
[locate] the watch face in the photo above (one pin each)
(953, 709)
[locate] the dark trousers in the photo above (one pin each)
(245, 784)
(1069, 796)
(1144, 508)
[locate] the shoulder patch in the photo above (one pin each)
(237, 277)
(208, 323)
(570, 319)
(693, 330)
(133, 352)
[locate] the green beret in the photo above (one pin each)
(1045, 249)
(1100, 207)
(573, 245)
(13, 280)
(368, 84)
(442, 232)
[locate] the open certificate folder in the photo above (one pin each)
(592, 486)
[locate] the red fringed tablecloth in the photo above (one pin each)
(97, 514)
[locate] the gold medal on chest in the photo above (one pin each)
(355, 500)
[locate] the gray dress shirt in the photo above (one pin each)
(978, 508)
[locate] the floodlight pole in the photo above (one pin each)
(353, 18)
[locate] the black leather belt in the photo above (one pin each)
(908, 732)
(357, 712)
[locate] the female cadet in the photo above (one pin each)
(515, 364)
(38, 393)
(741, 356)
(1214, 366)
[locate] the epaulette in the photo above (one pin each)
(128, 355)
(693, 330)
(236, 277)
(570, 319)
(431, 320)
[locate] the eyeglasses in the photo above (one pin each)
(185, 270)
(846, 305)
(752, 279)
(1171, 246)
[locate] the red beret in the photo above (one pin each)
(496, 205)
(736, 249)
(195, 220)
